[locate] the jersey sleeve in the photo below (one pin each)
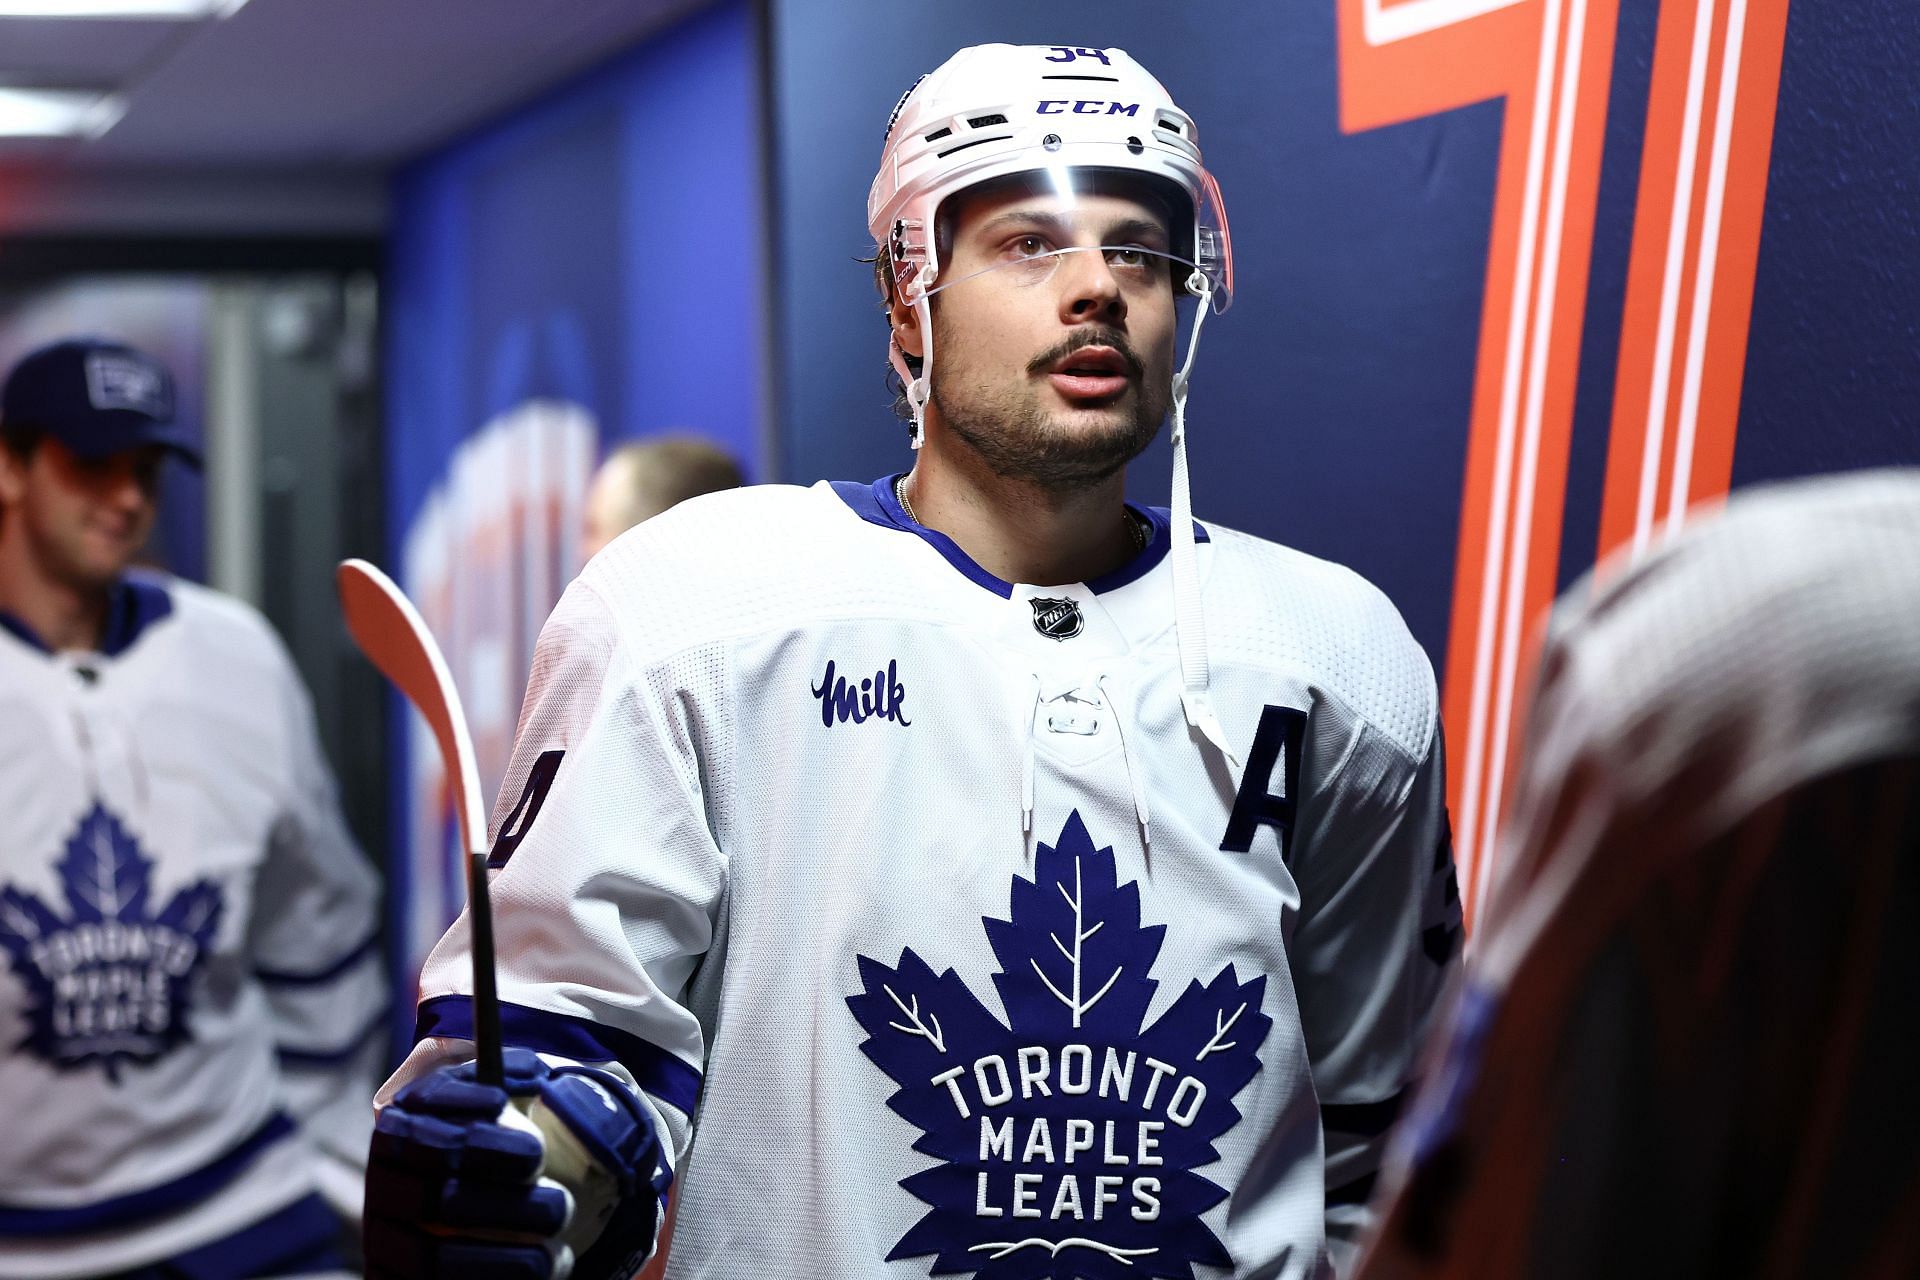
(1378, 941)
(606, 880)
(313, 944)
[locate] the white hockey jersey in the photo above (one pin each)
(188, 932)
(935, 940)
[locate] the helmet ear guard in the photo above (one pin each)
(906, 249)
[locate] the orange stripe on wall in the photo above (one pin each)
(1466, 636)
(1646, 273)
(1456, 66)
(1691, 281)
(1491, 56)
(1739, 257)
(1498, 54)
(1587, 143)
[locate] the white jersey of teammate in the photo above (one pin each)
(1687, 1041)
(933, 937)
(188, 932)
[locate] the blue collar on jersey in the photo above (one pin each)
(133, 605)
(876, 504)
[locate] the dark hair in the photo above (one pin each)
(20, 441)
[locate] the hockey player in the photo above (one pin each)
(1688, 1037)
(190, 980)
(968, 872)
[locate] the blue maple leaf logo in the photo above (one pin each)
(1068, 1138)
(108, 982)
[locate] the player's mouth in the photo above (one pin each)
(1092, 373)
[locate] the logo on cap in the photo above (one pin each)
(116, 381)
(1056, 619)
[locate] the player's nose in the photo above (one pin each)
(1089, 289)
(130, 485)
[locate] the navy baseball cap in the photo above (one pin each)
(96, 398)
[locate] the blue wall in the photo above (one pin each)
(602, 245)
(603, 248)
(1833, 365)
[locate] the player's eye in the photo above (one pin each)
(1029, 246)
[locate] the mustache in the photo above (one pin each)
(1089, 338)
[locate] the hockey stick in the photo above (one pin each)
(393, 635)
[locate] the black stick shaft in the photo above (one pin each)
(486, 997)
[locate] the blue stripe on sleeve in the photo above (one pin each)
(302, 1239)
(168, 1197)
(662, 1075)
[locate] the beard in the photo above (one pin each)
(1013, 433)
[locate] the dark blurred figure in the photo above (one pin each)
(191, 982)
(639, 481)
(1686, 1045)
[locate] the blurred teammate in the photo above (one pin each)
(1687, 1042)
(640, 480)
(190, 976)
(1012, 881)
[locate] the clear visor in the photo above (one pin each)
(1028, 228)
(1136, 271)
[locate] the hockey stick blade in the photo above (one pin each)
(395, 638)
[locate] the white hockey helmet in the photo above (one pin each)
(997, 110)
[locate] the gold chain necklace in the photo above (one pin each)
(1134, 529)
(900, 496)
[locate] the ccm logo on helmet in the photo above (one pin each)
(1087, 107)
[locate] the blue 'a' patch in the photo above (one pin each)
(108, 982)
(1068, 1140)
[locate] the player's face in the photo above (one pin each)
(80, 520)
(1058, 371)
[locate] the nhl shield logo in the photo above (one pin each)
(1056, 619)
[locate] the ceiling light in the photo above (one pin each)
(118, 8)
(58, 113)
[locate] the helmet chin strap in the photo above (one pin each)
(920, 389)
(1190, 627)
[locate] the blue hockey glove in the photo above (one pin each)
(455, 1184)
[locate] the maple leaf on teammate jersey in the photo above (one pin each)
(108, 982)
(1068, 1137)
